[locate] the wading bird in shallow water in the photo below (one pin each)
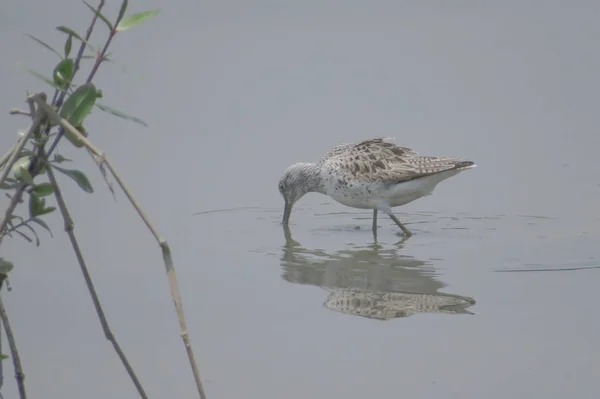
(372, 174)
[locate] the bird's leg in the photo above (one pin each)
(407, 232)
(375, 222)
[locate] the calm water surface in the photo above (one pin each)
(493, 297)
(473, 305)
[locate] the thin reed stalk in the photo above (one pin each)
(70, 229)
(164, 246)
(14, 353)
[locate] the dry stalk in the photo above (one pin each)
(13, 352)
(164, 246)
(70, 229)
(1, 368)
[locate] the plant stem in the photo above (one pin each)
(17, 111)
(38, 118)
(69, 228)
(174, 286)
(19, 375)
(164, 246)
(92, 74)
(35, 126)
(1, 364)
(11, 208)
(87, 38)
(58, 99)
(7, 155)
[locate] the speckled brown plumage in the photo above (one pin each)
(379, 160)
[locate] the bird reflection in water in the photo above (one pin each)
(370, 281)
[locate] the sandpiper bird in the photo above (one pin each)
(372, 174)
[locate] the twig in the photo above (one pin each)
(100, 164)
(35, 126)
(15, 227)
(58, 99)
(11, 208)
(94, 70)
(69, 228)
(25, 236)
(17, 111)
(38, 118)
(87, 37)
(20, 376)
(8, 154)
(1, 367)
(164, 246)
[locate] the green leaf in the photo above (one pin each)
(59, 158)
(68, 45)
(25, 175)
(26, 153)
(43, 224)
(77, 107)
(99, 14)
(44, 44)
(22, 162)
(120, 114)
(5, 266)
(79, 104)
(79, 177)
(37, 239)
(76, 35)
(63, 72)
(35, 205)
(25, 236)
(43, 189)
(135, 19)
(45, 79)
(40, 140)
(3, 356)
(94, 57)
(47, 210)
(42, 170)
(20, 170)
(124, 5)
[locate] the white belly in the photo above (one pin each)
(378, 195)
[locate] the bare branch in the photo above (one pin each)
(87, 37)
(19, 375)
(70, 229)
(35, 126)
(18, 111)
(166, 252)
(7, 155)
(11, 208)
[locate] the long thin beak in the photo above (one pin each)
(287, 211)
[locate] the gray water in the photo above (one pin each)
(493, 296)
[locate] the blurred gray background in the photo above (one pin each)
(236, 91)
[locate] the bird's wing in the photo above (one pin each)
(379, 160)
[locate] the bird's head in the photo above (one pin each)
(298, 179)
